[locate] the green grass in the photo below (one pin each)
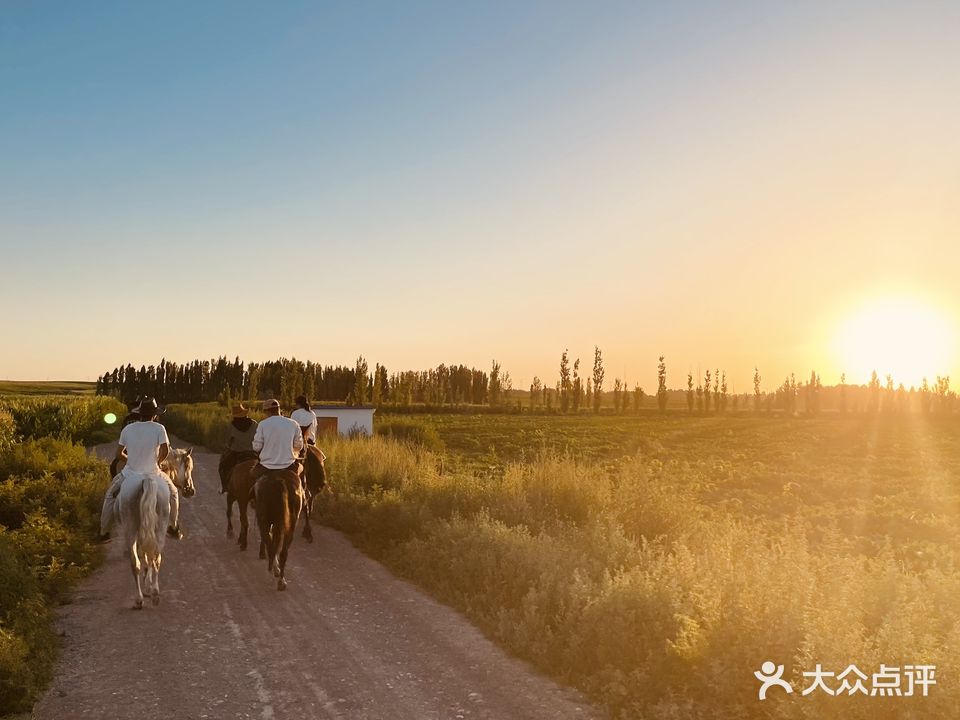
(52, 387)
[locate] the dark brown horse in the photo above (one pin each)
(239, 490)
(315, 479)
(279, 498)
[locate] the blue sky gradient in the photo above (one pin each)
(452, 182)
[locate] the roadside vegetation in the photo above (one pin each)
(50, 495)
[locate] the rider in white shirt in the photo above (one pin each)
(306, 419)
(144, 444)
(278, 440)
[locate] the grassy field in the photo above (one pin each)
(657, 561)
(54, 387)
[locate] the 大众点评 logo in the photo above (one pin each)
(889, 681)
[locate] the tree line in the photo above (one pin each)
(222, 380)
(576, 389)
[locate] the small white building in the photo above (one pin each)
(344, 420)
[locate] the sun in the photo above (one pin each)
(900, 336)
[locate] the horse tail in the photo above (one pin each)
(313, 469)
(273, 515)
(149, 519)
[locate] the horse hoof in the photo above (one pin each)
(276, 572)
(138, 604)
(155, 599)
(281, 584)
(243, 545)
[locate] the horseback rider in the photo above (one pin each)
(144, 444)
(239, 443)
(131, 417)
(278, 440)
(306, 419)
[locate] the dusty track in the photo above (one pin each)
(346, 640)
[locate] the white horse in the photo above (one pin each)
(178, 464)
(144, 512)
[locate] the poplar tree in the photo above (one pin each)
(495, 384)
(756, 389)
(597, 379)
(706, 390)
(716, 390)
(564, 385)
(662, 385)
(577, 386)
(690, 399)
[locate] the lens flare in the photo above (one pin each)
(109, 418)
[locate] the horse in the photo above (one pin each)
(315, 480)
(144, 513)
(239, 488)
(279, 500)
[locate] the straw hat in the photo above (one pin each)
(239, 411)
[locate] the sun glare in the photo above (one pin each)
(903, 337)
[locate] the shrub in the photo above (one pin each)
(50, 496)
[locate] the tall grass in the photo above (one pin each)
(80, 419)
(625, 584)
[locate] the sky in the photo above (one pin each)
(729, 185)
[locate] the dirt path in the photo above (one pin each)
(346, 640)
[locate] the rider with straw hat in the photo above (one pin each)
(239, 443)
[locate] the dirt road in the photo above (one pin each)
(346, 640)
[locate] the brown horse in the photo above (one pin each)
(239, 490)
(315, 480)
(279, 498)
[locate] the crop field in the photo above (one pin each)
(64, 387)
(657, 561)
(876, 477)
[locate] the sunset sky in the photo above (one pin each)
(730, 185)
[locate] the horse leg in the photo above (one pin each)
(244, 522)
(276, 538)
(135, 569)
(287, 539)
(229, 514)
(307, 531)
(155, 595)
